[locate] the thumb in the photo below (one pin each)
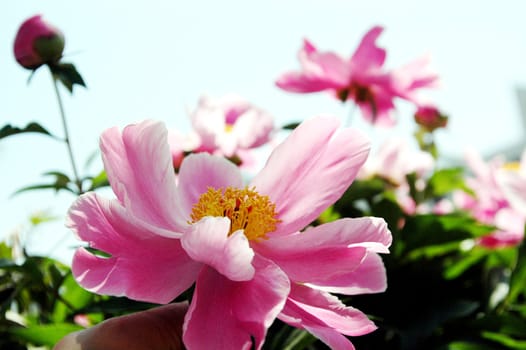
(157, 328)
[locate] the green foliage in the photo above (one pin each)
(60, 182)
(47, 335)
(33, 127)
(67, 74)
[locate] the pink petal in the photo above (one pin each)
(510, 224)
(368, 55)
(207, 241)
(199, 172)
(329, 66)
(408, 79)
(228, 315)
(253, 128)
(320, 71)
(143, 265)
(369, 277)
(308, 48)
(513, 186)
(324, 316)
(310, 170)
(311, 256)
(140, 170)
(302, 82)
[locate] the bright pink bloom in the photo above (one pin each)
(229, 124)
(241, 245)
(38, 42)
(360, 78)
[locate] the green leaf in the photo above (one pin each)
(44, 335)
(299, 339)
(116, 306)
(460, 345)
(61, 183)
(505, 340)
(328, 215)
(67, 74)
(290, 126)
(432, 251)
(41, 217)
(445, 181)
(5, 251)
(73, 295)
(457, 267)
(9, 130)
(518, 276)
(100, 180)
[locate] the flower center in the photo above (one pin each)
(512, 166)
(246, 209)
(229, 127)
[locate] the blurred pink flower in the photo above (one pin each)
(393, 161)
(499, 198)
(181, 144)
(360, 78)
(229, 124)
(241, 245)
(37, 42)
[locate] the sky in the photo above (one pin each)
(155, 59)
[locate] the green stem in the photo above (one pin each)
(66, 136)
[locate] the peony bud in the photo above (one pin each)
(430, 118)
(37, 43)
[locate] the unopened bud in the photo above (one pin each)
(38, 42)
(430, 118)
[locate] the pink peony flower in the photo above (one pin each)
(230, 124)
(360, 78)
(38, 42)
(241, 245)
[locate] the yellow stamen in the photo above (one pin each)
(246, 209)
(229, 127)
(513, 166)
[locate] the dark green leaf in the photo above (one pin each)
(299, 339)
(457, 266)
(61, 183)
(116, 306)
(9, 130)
(68, 75)
(518, 276)
(290, 126)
